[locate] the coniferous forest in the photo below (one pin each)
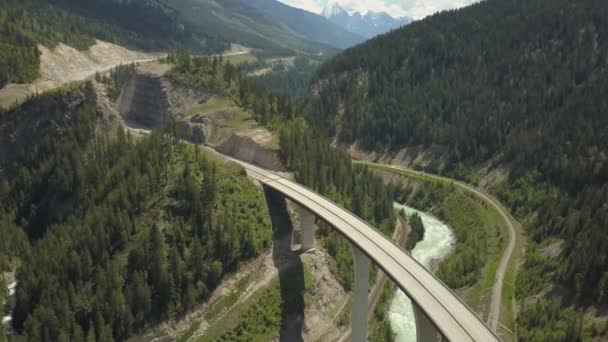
(146, 24)
(318, 166)
(514, 84)
(139, 230)
(112, 232)
(305, 152)
(119, 232)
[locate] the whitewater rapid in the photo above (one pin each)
(8, 319)
(436, 244)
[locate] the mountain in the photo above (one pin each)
(201, 26)
(144, 24)
(120, 209)
(368, 25)
(504, 87)
(309, 25)
(253, 24)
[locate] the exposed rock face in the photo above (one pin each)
(144, 100)
(62, 64)
(195, 129)
(151, 100)
(246, 149)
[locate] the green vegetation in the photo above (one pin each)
(116, 79)
(379, 324)
(213, 105)
(548, 321)
(224, 303)
(241, 58)
(239, 21)
(143, 24)
(14, 244)
(125, 232)
(471, 254)
(477, 295)
(501, 83)
(193, 328)
(285, 79)
(201, 26)
(3, 294)
(416, 232)
(476, 236)
(477, 228)
(222, 78)
(260, 318)
(316, 165)
(228, 301)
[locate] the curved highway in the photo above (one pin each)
(454, 319)
(501, 271)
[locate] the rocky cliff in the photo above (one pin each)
(151, 100)
(246, 149)
(144, 100)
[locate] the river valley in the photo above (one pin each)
(436, 245)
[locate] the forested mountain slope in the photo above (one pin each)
(141, 24)
(240, 21)
(200, 26)
(515, 83)
(123, 231)
(310, 25)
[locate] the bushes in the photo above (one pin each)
(546, 320)
(416, 232)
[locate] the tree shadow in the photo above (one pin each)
(289, 266)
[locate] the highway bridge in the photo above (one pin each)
(439, 312)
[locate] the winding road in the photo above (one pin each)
(494, 311)
(451, 316)
(447, 312)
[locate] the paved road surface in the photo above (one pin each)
(374, 295)
(455, 320)
(494, 312)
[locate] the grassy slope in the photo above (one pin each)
(214, 104)
(222, 304)
(259, 319)
(241, 58)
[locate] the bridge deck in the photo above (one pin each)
(453, 318)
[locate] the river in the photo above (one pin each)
(436, 244)
(8, 319)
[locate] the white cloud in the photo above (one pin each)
(419, 9)
(416, 9)
(309, 5)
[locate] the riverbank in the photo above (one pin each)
(437, 243)
(491, 296)
(11, 301)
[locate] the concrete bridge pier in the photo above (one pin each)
(307, 229)
(425, 329)
(360, 292)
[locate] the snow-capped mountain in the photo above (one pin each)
(333, 9)
(367, 25)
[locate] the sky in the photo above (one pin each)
(416, 9)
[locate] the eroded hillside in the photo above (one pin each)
(63, 64)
